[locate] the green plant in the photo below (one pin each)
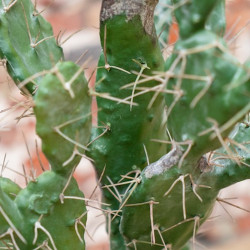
(177, 113)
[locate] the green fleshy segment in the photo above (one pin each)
(172, 227)
(17, 25)
(117, 148)
(121, 149)
(54, 98)
(218, 97)
(40, 203)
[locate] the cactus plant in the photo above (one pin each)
(170, 133)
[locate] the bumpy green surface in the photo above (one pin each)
(121, 149)
(52, 100)
(136, 221)
(201, 53)
(24, 60)
(218, 103)
(40, 201)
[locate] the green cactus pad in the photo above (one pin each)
(162, 210)
(207, 78)
(175, 209)
(43, 218)
(62, 109)
(121, 148)
(26, 41)
(122, 145)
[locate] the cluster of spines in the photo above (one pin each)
(184, 171)
(50, 212)
(188, 91)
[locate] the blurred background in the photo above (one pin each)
(76, 22)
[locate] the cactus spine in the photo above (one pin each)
(163, 145)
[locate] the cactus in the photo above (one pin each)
(170, 133)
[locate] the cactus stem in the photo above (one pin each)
(12, 226)
(107, 66)
(39, 226)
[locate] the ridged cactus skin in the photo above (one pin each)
(50, 212)
(170, 134)
(27, 41)
(116, 149)
(65, 91)
(38, 214)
